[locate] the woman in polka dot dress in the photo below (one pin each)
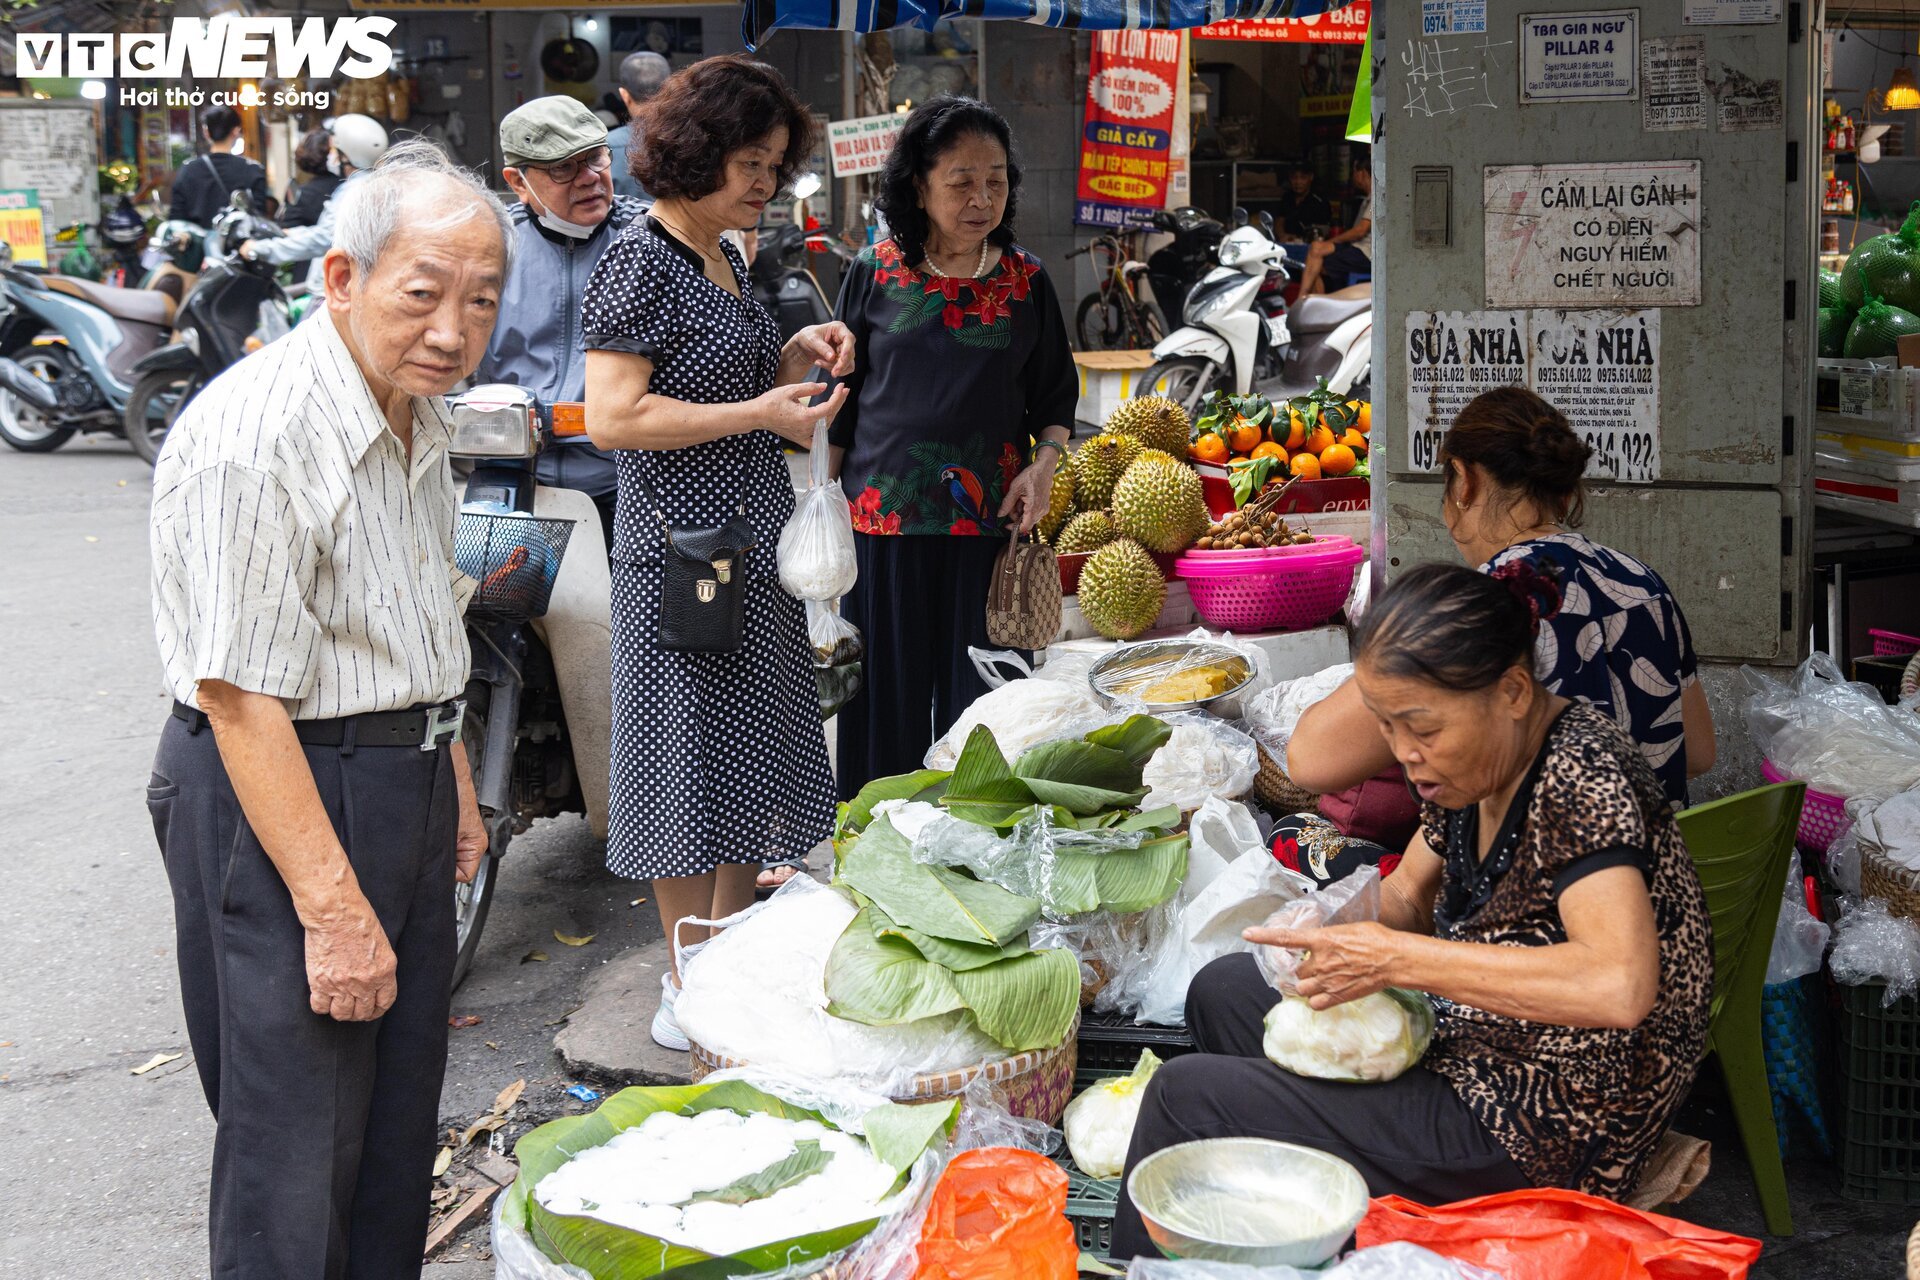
(719, 760)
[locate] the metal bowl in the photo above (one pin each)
(1110, 676)
(1248, 1200)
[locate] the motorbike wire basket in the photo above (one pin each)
(515, 559)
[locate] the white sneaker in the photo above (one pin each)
(666, 1031)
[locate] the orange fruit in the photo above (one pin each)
(1365, 424)
(1321, 440)
(1306, 466)
(1337, 460)
(1209, 448)
(1269, 449)
(1297, 431)
(1353, 440)
(1243, 436)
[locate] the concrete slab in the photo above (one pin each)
(608, 1038)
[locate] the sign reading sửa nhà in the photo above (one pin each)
(1593, 235)
(22, 228)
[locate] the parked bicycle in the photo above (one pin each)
(1118, 316)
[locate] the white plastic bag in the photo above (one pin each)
(1800, 938)
(1891, 828)
(1099, 1123)
(1204, 759)
(1399, 1260)
(1349, 901)
(816, 548)
(1841, 738)
(1022, 714)
(1871, 944)
(1271, 717)
(836, 642)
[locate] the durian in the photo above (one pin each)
(1097, 467)
(1156, 422)
(1158, 503)
(1059, 504)
(1121, 590)
(1088, 531)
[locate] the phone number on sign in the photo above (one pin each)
(1622, 455)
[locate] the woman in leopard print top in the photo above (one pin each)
(1548, 906)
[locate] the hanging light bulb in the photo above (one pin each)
(94, 89)
(1901, 94)
(593, 24)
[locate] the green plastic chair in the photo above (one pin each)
(1740, 847)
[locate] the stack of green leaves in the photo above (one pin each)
(896, 1135)
(931, 940)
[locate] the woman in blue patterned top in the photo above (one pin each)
(1514, 492)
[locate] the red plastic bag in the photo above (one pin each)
(1550, 1234)
(999, 1214)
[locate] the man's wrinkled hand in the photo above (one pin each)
(350, 966)
(470, 845)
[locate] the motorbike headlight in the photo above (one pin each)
(1231, 251)
(497, 421)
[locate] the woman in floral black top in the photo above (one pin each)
(1548, 907)
(958, 415)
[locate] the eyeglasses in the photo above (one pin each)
(599, 160)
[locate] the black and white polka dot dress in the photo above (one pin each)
(717, 758)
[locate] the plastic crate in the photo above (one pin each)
(1893, 644)
(1090, 1207)
(1110, 1044)
(1880, 1097)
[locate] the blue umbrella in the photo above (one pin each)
(757, 17)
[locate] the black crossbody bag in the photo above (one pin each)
(703, 584)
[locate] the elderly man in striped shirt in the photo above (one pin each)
(311, 795)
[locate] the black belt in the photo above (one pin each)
(421, 727)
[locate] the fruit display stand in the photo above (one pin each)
(1106, 379)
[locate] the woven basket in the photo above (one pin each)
(1277, 791)
(1910, 680)
(1036, 1085)
(1880, 877)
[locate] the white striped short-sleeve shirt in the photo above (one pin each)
(297, 551)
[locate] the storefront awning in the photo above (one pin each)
(758, 17)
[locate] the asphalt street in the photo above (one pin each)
(110, 1168)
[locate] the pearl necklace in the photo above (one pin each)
(980, 268)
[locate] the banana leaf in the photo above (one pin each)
(808, 1158)
(983, 788)
(951, 955)
(1024, 1002)
(922, 784)
(1136, 737)
(1081, 776)
(933, 900)
(608, 1252)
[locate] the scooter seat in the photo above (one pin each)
(1319, 314)
(139, 306)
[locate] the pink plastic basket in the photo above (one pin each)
(1892, 644)
(1290, 590)
(1823, 818)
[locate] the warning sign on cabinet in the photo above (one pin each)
(1579, 57)
(1593, 235)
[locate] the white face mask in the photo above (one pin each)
(558, 225)
(333, 163)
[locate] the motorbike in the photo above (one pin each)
(174, 256)
(538, 716)
(235, 308)
(124, 232)
(784, 284)
(68, 347)
(1239, 335)
(1175, 267)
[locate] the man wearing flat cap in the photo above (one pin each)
(557, 161)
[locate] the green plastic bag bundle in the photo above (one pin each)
(1877, 330)
(1886, 266)
(1834, 323)
(1830, 295)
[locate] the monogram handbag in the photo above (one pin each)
(703, 585)
(1023, 604)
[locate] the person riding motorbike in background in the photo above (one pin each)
(559, 165)
(358, 144)
(204, 184)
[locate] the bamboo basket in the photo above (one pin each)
(1277, 791)
(1880, 877)
(1036, 1085)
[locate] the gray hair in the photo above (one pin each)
(415, 183)
(642, 74)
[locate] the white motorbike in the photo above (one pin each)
(1239, 335)
(539, 699)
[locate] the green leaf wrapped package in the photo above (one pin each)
(733, 1179)
(1834, 323)
(1877, 330)
(934, 900)
(1831, 294)
(1887, 267)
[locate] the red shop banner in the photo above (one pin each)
(1125, 160)
(1345, 25)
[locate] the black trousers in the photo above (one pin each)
(325, 1131)
(1410, 1137)
(919, 603)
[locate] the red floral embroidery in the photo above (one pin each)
(964, 529)
(1009, 463)
(953, 315)
(989, 309)
(868, 501)
(890, 525)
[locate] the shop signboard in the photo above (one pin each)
(1580, 57)
(1345, 25)
(1731, 12)
(1593, 235)
(22, 229)
(861, 145)
(1126, 151)
(1675, 72)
